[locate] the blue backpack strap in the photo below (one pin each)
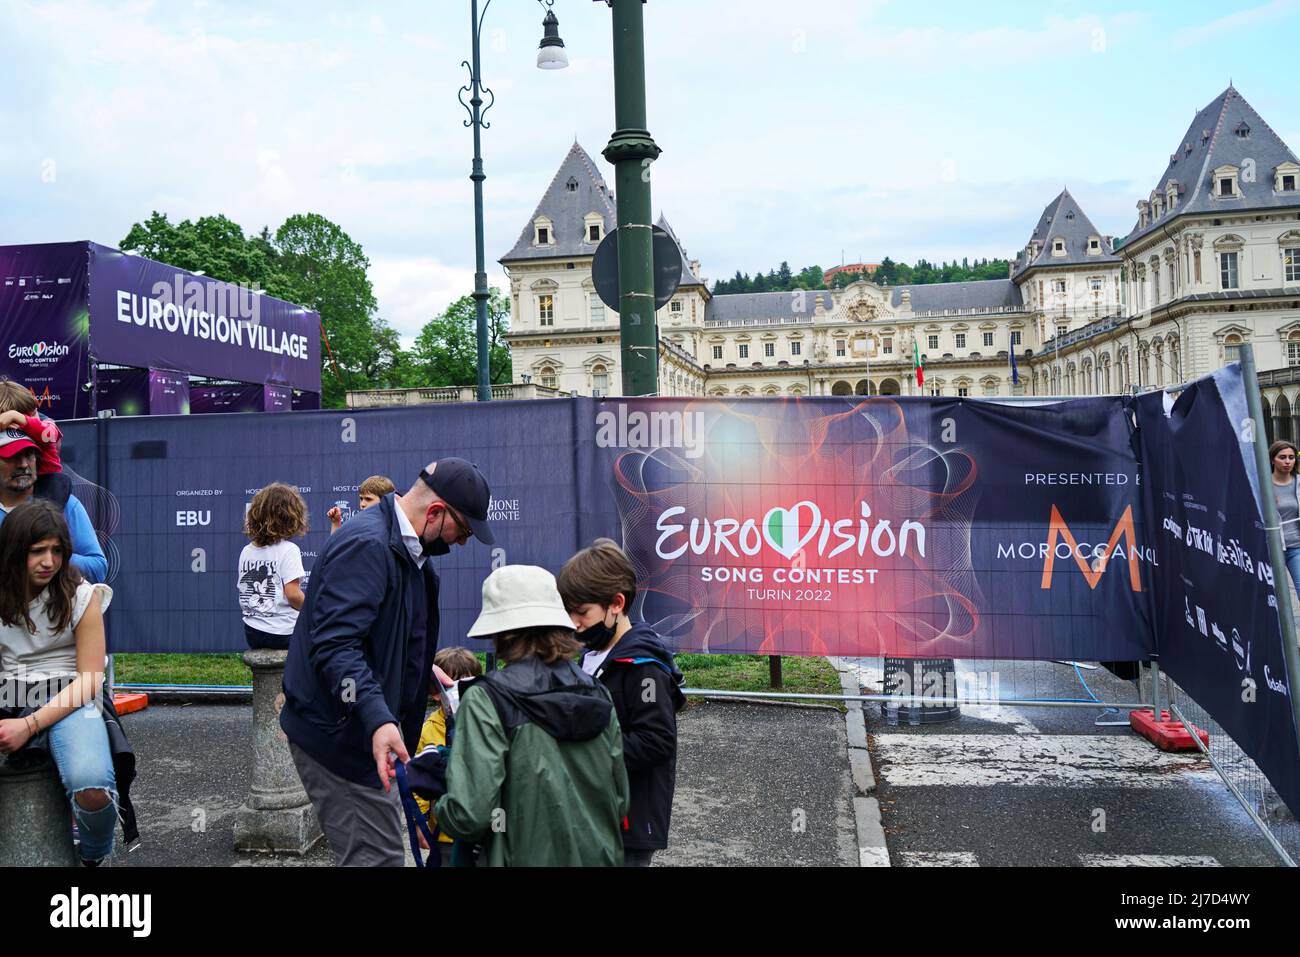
(415, 820)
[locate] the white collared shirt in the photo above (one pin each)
(409, 538)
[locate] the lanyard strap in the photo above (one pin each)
(415, 820)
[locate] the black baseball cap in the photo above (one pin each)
(462, 486)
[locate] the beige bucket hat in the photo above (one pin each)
(520, 596)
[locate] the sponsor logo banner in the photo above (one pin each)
(43, 325)
(1216, 619)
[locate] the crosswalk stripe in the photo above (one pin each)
(1148, 860)
(988, 760)
(937, 859)
(873, 857)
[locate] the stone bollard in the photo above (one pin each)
(35, 818)
(278, 815)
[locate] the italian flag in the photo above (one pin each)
(917, 364)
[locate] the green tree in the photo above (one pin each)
(327, 270)
(446, 350)
(810, 277)
(212, 245)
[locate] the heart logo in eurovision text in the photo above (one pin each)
(789, 529)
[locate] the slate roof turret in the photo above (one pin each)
(1227, 131)
(1063, 219)
(576, 190)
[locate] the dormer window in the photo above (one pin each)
(542, 233)
(572, 184)
(1069, 214)
(1225, 181)
(1242, 131)
(1285, 177)
(1058, 247)
(1094, 245)
(593, 228)
(593, 233)
(1171, 194)
(1157, 206)
(1143, 213)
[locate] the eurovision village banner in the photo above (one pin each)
(66, 308)
(1086, 529)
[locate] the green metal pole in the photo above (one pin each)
(631, 149)
(481, 293)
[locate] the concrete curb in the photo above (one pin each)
(872, 848)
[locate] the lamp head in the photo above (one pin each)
(550, 52)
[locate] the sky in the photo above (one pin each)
(813, 132)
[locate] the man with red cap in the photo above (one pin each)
(18, 456)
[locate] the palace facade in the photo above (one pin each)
(1212, 262)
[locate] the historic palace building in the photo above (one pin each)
(1212, 262)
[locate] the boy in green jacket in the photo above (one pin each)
(536, 771)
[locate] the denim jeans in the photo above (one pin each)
(79, 746)
(1293, 566)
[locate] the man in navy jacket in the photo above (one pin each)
(357, 677)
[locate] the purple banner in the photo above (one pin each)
(232, 397)
(125, 391)
(43, 323)
(169, 392)
(148, 314)
(305, 401)
(277, 398)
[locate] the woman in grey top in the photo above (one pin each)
(1282, 454)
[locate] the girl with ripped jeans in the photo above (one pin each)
(51, 635)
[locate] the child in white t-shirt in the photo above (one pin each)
(270, 566)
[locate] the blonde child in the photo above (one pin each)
(455, 664)
(370, 492)
(270, 566)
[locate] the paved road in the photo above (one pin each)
(757, 784)
(1037, 786)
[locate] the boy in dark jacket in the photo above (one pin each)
(598, 585)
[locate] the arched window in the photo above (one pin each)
(599, 380)
(1282, 419)
(1232, 349)
(546, 376)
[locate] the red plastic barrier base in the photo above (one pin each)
(1166, 734)
(126, 702)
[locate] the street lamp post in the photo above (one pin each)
(550, 56)
(631, 149)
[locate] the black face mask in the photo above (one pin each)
(599, 635)
(437, 546)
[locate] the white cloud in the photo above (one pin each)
(413, 290)
(1253, 16)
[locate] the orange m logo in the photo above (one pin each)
(1124, 527)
